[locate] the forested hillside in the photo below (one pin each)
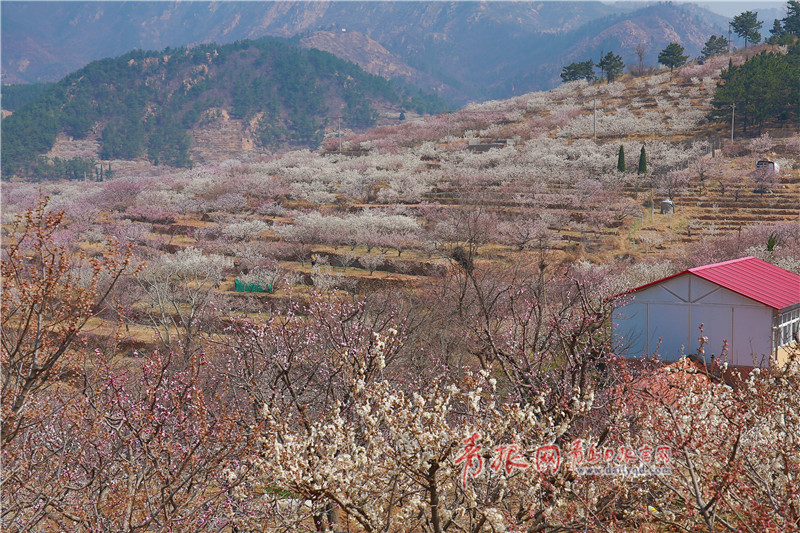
(144, 104)
(765, 89)
(324, 340)
(16, 96)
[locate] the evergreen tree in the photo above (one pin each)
(612, 65)
(715, 45)
(791, 23)
(16, 96)
(776, 33)
(766, 87)
(642, 163)
(672, 56)
(621, 159)
(746, 26)
(580, 70)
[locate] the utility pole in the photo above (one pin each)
(594, 112)
(729, 38)
(601, 68)
(733, 115)
(339, 127)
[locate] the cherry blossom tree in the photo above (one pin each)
(371, 262)
(733, 447)
(177, 291)
(397, 460)
(528, 230)
(704, 168)
(765, 180)
(466, 228)
(86, 446)
(47, 301)
(244, 230)
(762, 144)
(150, 213)
(125, 449)
(793, 145)
(301, 235)
(671, 183)
(347, 259)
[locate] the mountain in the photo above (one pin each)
(767, 10)
(467, 50)
(653, 26)
(375, 59)
(180, 106)
(37, 36)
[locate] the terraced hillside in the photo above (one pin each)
(307, 341)
(525, 175)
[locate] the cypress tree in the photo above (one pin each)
(621, 159)
(642, 162)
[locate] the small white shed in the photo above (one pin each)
(765, 164)
(751, 304)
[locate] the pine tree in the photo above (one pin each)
(763, 89)
(672, 56)
(578, 70)
(612, 65)
(621, 159)
(642, 162)
(715, 45)
(776, 33)
(791, 23)
(746, 26)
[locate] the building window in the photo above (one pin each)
(788, 328)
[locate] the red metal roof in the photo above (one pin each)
(749, 276)
(756, 279)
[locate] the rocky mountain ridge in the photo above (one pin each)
(468, 50)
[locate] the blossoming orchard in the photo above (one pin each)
(411, 333)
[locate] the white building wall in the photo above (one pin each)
(666, 317)
(753, 345)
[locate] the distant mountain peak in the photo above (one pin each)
(464, 50)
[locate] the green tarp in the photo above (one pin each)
(251, 287)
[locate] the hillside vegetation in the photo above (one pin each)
(144, 104)
(530, 166)
(16, 96)
(323, 340)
